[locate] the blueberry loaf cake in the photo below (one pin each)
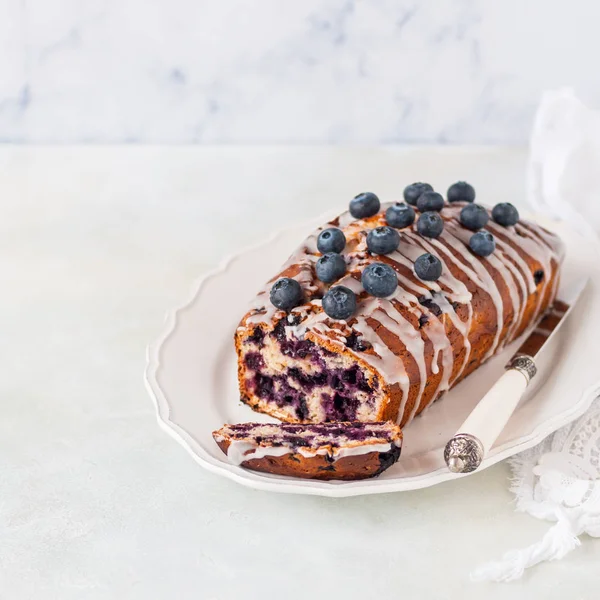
(386, 307)
(345, 451)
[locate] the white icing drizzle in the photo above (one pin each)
(240, 451)
(343, 451)
(394, 322)
(514, 245)
(385, 361)
(402, 293)
(539, 249)
(345, 219)
(351, 283)
(439, 337)
(262, 303)
(452, 236)
(463, 327)
(517, 258)
(457, 290)
(435, 332)
(533, 241)
(521, 273)
(509, 279)
(305, 259)
(459, 293)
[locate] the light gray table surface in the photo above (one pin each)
(96, 502)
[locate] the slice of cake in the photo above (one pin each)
(344, 451)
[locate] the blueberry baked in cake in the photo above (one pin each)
(386, 307)
(316, 451)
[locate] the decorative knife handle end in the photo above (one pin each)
(524, 364)
(463, 453)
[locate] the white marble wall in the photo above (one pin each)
(288, 70)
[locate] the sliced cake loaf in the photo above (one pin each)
(386, 307)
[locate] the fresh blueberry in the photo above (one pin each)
(414, 190)
(474, 216)
(505, 214)
(461, 191)
(330, 267)
(428, 267)
(430, 305)
(430, 201)
(364, 205)
(430, 224)
(400, 215)
(379, 280)
(331, 239)
(286, 293)
(482, 243)
(383, 240)
(339, 302)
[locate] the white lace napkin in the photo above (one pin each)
(559, 480)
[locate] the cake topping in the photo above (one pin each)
(430, 201)
(331, 239)
(364, 205)
(379, 280)
(474, 216)
(414, 190)
(428, 267)
(445, 310)
(330, 267)
(400, 215)
(461, 191)
(286, 293)
(482, 243)
(505, 214)
(339, 302)
(430, 224)
(383, 240)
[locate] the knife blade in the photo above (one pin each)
(468, 447)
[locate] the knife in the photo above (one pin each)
(465, 451)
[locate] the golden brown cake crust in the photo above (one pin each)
(350, 468)
(428, 336)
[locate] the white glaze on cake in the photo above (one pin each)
(507, 263)
(240, 451)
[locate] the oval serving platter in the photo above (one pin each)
(191, 374)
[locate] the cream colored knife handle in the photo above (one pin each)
(465, 451)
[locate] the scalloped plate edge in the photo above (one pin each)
(292, 486)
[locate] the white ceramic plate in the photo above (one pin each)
(191, 375)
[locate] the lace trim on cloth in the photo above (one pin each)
(558, 480)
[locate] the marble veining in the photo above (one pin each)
(317, 71)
